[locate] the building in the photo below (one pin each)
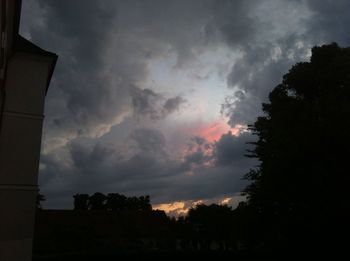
(25, 73)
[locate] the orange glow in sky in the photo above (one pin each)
(181, 208)
(178, 207)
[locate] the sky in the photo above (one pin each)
(153, 97)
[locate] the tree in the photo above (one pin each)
(303, 147)
(111, 202)
(81, 201)
(144, 203)
(209, 223)
(97, 201)
(39, 198)
(116, 201)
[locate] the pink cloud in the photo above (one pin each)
(213, 132)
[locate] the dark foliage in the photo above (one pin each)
(207, 227)
(81, 201)
(131, 229)
(39, 198)
(111, 202)
(298, 194)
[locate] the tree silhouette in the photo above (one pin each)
(81, 201)
(97, 201)
(116, 201)
(210, 223)
(39, 198)
(111, 202)
(145, 203)
(303, 147)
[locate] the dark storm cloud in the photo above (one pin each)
(271, 45)
(81, 31)
(149, 140)
(172, 104)
(149, 169)
(252, 80)
(104, 50)
(80, 96)
(329, 21)
(231, 21)
(86, 158)
(198, 153)
(100, 61)
(104, 47)
(83, 25)
(231, 149)
(196, 157)
(148, 103)
(144, 102)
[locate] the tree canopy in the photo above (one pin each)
(111, 202)
(303, 146)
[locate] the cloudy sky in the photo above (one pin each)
(153, 97)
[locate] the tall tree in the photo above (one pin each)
(304, 146)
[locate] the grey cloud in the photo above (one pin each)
(149, 170)
(100, 60)
(148, 103)
(104, 50)
(253, 81)
(89, 159)
(198, 140)
(198, 153)
(231, 149)
(144, 102)
(205, 183)
(149, 140)
(197, 157)
(172, 104)
(270, 45)
(82, 33)
(329, 21)
(256, 73)
(232, 21)
(81, 97)
(84, 24)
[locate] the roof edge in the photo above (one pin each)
(23, 45)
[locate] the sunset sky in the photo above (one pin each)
(153, 97)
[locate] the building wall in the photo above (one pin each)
(20, 140)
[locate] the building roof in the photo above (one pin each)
(24, 46)
(10, 23)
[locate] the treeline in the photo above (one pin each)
(208, 227)
(131, 229)
(111, 202)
